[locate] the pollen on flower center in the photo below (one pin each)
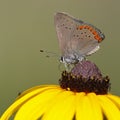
(85, 77)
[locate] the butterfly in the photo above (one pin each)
(77, 39)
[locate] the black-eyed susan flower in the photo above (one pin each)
(82, 95)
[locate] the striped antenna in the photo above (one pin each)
(50, 54)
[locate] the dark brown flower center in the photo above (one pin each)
(85, 77)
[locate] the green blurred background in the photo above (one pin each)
(26, 26)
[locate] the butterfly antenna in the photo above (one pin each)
(49, 54)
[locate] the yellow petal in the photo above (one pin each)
(80, 106)
(87, 108)
(40, 87)
(36, 106)
(15, 106)
(96, 108)
(62, 107)
(115, 99)
(109, 108)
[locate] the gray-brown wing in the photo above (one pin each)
(65, 26)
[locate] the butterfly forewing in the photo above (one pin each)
(65, 26)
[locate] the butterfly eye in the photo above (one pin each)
(61, 59)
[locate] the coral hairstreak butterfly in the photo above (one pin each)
(77, 39)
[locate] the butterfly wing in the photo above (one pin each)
(65, 26)
(76, 37)
(84, 41)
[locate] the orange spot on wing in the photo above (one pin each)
(94, 32)
(97, 37)
(91, 29)
(80, 27)
(87, 27)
